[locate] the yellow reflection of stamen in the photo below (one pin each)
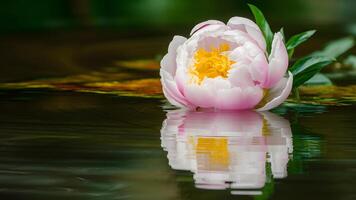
(211, 64)
(212, 153)
(265, 99)
(265, 128)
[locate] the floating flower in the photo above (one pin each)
(226, 67)
(239, 65)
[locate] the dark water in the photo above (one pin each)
(66, 145)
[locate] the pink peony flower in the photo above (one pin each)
(226, 67)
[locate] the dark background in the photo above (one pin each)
(42, 38)
(167, 15)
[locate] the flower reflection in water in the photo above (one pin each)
(228, 149)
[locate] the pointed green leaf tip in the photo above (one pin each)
(263, 24)
(296, 40)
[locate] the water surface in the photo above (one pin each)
(70, 145)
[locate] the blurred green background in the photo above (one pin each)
(41, 38)
(162, 15)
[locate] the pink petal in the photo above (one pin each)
(210, 30)
(239, 55)
(168, 63)
(248, 26)
(257, 36)
(246, 53)
(171, 92)
(278, 61)
(208, 41)
(205, 24)
(238, 98)
(171, 99)
(180, 79)
(240, 76)
(259, 68)
(199, 95)
(216, 84)
(204, 95)
(279, 93)
(239, 37)
(167, 72)
(254, 58)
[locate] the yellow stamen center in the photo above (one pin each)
(211, 64)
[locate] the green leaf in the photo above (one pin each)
(337, 47)
(305, 68)
(263, 24)
(351, 60)
(290, 53)
(319, 79)
(296, 40)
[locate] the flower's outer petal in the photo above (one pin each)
(250, 27)
(278, 61)
(171, 91)
(204, 94)
(205, 24)
(238, 98)
(168, 62)
(181, 79)
(200, 96)
(214, 30)
(171, 98)
(279, 93)
(168, 71)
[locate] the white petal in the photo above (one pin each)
(258, 68)
(214, 30)
(278, 61)
(205, 24)
(240, 55)
(238, 98)
(171, 91)
(240, 76)
(200, 95)
(252, 57)
(235, 21)
(216, 83)
(279, 93)
(257, 36)
(168, 63)
(171, 99)
(251, 28)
